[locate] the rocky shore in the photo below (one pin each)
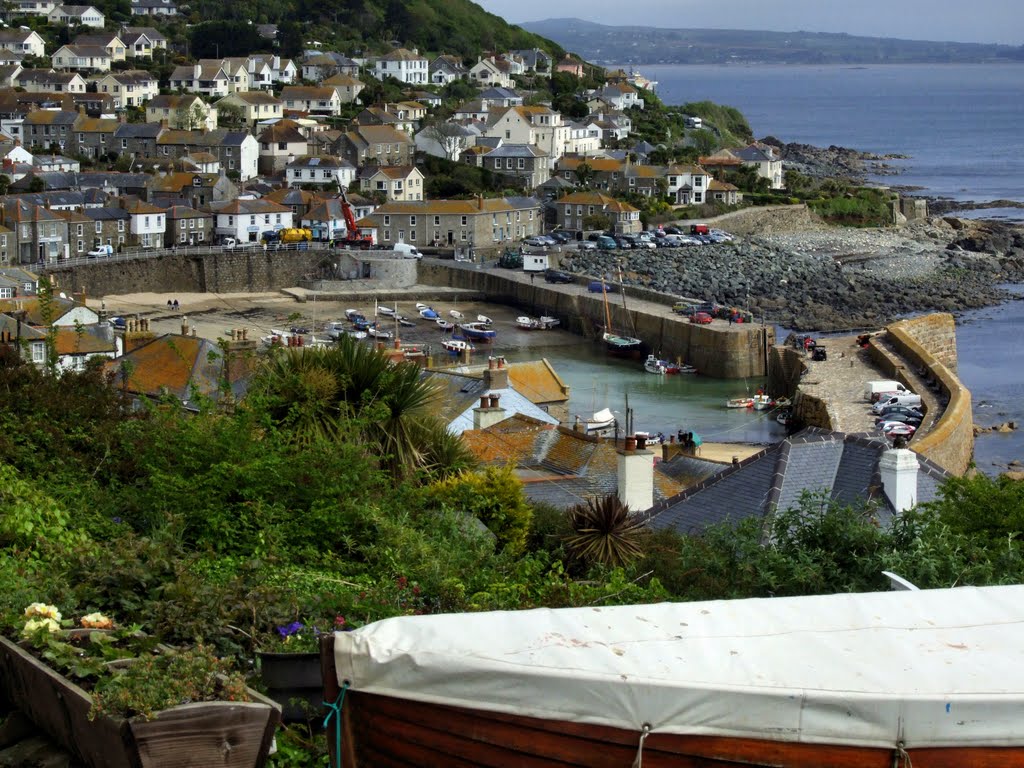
(834, 278)
(833, 162)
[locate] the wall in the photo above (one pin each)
(928, 344)
(785, 366)
(735, 354)
(764, 220)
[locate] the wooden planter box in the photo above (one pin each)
(293, 679)
(229, 734)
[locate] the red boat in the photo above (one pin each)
(913, 679)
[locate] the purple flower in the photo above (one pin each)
(288, 630)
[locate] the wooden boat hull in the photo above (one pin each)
(386, 732)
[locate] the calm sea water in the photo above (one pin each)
(962, 124)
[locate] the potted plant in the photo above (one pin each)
(289, 661)
(117, 699)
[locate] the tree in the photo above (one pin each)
(584, 173)
(449, 137)
(597, 221)
(190, 118)
(704, 141)
(230, 116)
(604, 531)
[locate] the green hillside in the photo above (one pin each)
(453, 26)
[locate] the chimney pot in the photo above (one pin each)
(630, 443)
(484, 401)
(641, 442)
(494, 400)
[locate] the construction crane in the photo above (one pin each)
(353, 237)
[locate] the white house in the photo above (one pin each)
(186, 112)
(255, 105)
(154, 8)
(86, 15)
(147, 224)
(31, 7)
(584, 138)
(322, 170)
(42, 81)
(282, 71)
(311, 99)
(540, 126)
(140, 42)
(405, 65)
(208, 79)
(81, 57)
(491, 72)
(244, 220)
(687, 184)
(24, 41)
(109, 41)
(398, 182)
(131, 88)
(766, 160)
(347, 87)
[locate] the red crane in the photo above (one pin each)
(353, 237)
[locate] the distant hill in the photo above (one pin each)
(652, 45)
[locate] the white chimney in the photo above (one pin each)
(898, 468)
(636, 476)
(488, 413)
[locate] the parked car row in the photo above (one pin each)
(896, 409)
(713, 310)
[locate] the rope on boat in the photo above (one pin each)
(336, 714)
(638, 762)
(901, 758)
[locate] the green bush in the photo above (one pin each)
(495, 497)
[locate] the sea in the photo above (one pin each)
(962, 128)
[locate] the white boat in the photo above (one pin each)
(352, 313)
(528, 323)
(651, 438)
(653, 365)
(763, 402)
(378, 333)
(740, 402)
(444, 325)
(387, 311)
(603, 419)
(406, 322)
(456, 314)
(421, 305)
(547, 322)
(457, 346)
(484, 319)
(356, 334)
(684, 369)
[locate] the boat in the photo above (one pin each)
(377, 332)
(356, 334)
(428, 313)
(740, 402)
(444, 325)
(456, 314)
(922, 678)
(457, 346)
(651, 438)
(406, 322)
(547, 322)
(619, 346)
(484, 319)
(478, 332)
(387, 311)
(783, 402)
(654, 365)
(603, 419)
(763, 402)
(784, 417)
(360, 322)
(542, 323)
(686, 369)
(352, 313)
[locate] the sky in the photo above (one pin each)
(983, 21)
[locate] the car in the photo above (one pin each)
(900, 417)
(886, 427)
(587, 245)
(901, 430)
(537, 241)
(904, 409)
(673, 231)
(700, 318)
(595, 236)
(606, 243)
(557, 276)
(561, 237)
(664, 242)
(101, 252)
(685, 308)
(622, 243)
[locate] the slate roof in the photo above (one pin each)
(33, 308)
(843, 466)
(286, 131)
(517, 150)
(138, 131)
(86, 340)
(463, 393)
(319, 161)
(9, 325)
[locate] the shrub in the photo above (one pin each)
(495, 497)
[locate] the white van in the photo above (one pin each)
(914, 401)
(875, 388)
(406, 251)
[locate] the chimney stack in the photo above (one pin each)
(496, 375)
(488, 413)
(636, 475)
(898, 468)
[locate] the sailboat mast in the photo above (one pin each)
(607, 312)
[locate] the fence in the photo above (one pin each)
(129, 254)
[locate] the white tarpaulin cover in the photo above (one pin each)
(929, 668)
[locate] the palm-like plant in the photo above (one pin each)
(311, 394)
(604, 532)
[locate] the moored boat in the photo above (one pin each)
(925, 678)
(603, 419)
(427, 313)
(387, 311)
(622, 346)
(377, 332)
(484, 319)
(478, 332)
(740, 402)
(444, 325)
(547, 322)
(763, 402)
(406, 322)
(653, 365)
(528, 323)
(457, 346)
(352, 313)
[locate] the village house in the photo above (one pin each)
(687, 184)
(580, 212)
(534, 60)
(721, 162)
(347, 87)
(500, 97)
(766, 160)
(245, 220)
(313, 100)
(43, 129)
(377, 115)
(404, 65)
(187, 226)
(48, 81)
(446, 69)
(154, 8)
(615, 126)
(109, 41)
(570, 66)
(39, 234)
(583, 138)
(621, 96)
(94, 136)
(540, 126)
(279, 144)
(192, 189)
(83, 15)
(210, 79)
(520, 164)
(237, 151)
(28, 342)
(298, 201)
(147, 224)
(282, 70)
(26, 42)
(138, 140)
(141, 42)
(109, 226)
(9, 74)
(58, 163)
(130, 88)
(77, 226)
(325, 220)
(378, 144)
(184, 112)
(479, 223)
(491, 72)
(397, 182)
(724, 192)
(472, 110)
(90, 58)
(255, 105)
(321, 170)
(16, 281)
(323, 65)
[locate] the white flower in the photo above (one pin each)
(34, 625)
(43, 610)
(97, 621)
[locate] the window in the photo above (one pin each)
(81, 246)
(124, 143)
(387, 234)
(99, 227)
(462, 235)
(465, 220)
(199, 237)
(437, 221)
(120, 240)
(146, 224)
(412, 221)
(183, 238)
(184, 223)
(81, 230)
(387, 221)
(120, 225)
(191, 223)
(277, 218)
(521, 163)
(38, 353)
(412, 235)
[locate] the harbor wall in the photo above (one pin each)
(739, 353)
(929, 345)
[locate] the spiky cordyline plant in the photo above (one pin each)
(604, 532)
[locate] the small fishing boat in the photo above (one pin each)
(651, 438)
(457, 346)
(763, 402)
(360, 322)
(686, 369)
(478, 332)
(661, 367)
(456, 314)
(784, 417)
(783, 402)
(444, 325)
(387, 311)
(603, 419)
(377, 332)
(356, 334)
(351, 313)
(484, 319)
(406, 322)
(547, 323)
(427, 313)
(740, 402)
